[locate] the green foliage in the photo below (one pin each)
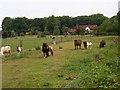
(49, 25)
(20, 25)
(34, 30)
(38, 48)
(82, 32)
(109, 27)
(7, 25)
(5, 34)
(56, 30)
(22, 34)
(13, 33)
(118, 18)
(41, 34)
(65, 30)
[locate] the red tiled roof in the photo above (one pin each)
(72, 30)
(92, 27)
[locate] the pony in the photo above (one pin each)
(89, 45)
(77, 43)
(19, 49)
(46, 49)
(102, 44)
(85, 44)
(5, 50)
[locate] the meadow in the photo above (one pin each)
(67, 68)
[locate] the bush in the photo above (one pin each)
(38, 48)
(22, 34)
(4, 34)
(41, 34)
(46, 33)
(13, 34)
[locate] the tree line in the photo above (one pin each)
(56, 25)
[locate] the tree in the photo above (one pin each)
(7, 25)
(56, 30)
(20, 25)
(13, 33)
(49, 24)
(118, 18)
(39, 23)
(4, 34)
(109, 26)
(64, 30)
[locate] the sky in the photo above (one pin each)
(45, 8)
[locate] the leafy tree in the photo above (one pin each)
(64, 30)
(56, 25)
(13, 33)
(4, 34)
(7, 25)
(34, 30)
(109, 26)
(20, 25)
(118, 18)
(56, 30)
(39, 23)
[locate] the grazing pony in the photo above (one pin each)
(19, 49)
(102, 44)
(5, 50)
(85, 44)
(46, 49)
(77, 43)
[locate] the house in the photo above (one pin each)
(89, 28)
(72, 31)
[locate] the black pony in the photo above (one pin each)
(46, 49)
(102, 44)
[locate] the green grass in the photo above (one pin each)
(67, 68)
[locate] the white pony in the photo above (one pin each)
(5, 50)
(89, 45)
(19, 50)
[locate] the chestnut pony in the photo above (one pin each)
(77, 43)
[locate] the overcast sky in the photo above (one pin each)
(44, 8)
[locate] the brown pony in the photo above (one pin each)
(85, 44)
(77, 43)
(46, 49)
(102, 43)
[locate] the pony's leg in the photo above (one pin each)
(44, 55)
(75, 47)
(47, 54)
(52, 52)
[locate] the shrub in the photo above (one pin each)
(4, 34)
(41, 34)
(22, 34)
(37, 48)
(13, 34)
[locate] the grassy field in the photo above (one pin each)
(68, 68)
